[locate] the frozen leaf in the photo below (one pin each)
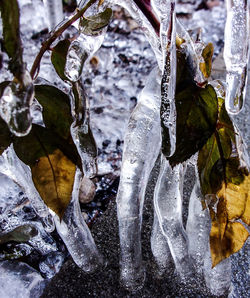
(53, 165)
(207, 55)
(56, 109)
(92, 25)
(20, 234)
(11, 34)
(58, 57)
(225, 185)
(197, 113)
(100, 2)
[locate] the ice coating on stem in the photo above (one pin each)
(76, 234)
(79, 51)
(168, 206)
(236, 53)
(143, 132)
(81, 131)
(165, 11)
(15, 104)
(54, 12)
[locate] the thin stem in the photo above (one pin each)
(46, 45)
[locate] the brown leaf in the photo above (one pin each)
(53, 176)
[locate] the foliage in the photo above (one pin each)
(203, 126)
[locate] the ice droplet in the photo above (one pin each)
(236, 53)
(15, 105)
(143, 131)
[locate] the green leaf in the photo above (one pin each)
(58, 57)
(197, 113)
(92, 25)
(225, 184)
(53, 165)
(11, 35)
(56, 109)
(20, 234)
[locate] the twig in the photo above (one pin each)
(46, 45)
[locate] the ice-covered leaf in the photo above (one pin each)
(100, 2)
(207, 55)
(58, 57)
(20, 234)
(56, 109)
(53, 164)
(11, 34)
(197, 113)
(94, 24)
(225, 184)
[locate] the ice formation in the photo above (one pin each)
(15, 104)
(143, 132)
(236, 53)
(76, 234)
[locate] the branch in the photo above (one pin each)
(46, 45)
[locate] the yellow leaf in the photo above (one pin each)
(233, 239)
(53, 176)
(207, 55)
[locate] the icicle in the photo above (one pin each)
(15, 104)
(143, 132)
(81, 131)
(54, 11)
(168, 206)
(236, 53)
(165, 11)
(160, 249)
(198, 227)
(79, 51)
(76, 234)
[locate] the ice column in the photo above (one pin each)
(218, 279)
(236, 53)
(165, 11)
(76, 234)
(168, 206)
(160, 248)
(54, 11)
(141, 148)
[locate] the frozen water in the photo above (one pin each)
(79, 51)
(54, 12)
(168, 207)
(15, 105)
(143, 131)
(236, 53)
(18, 279)
(76, 234)
(51, 264)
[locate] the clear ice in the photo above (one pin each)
(82, 134)
(54, 12)
(18, 279)
(15, 105)
(76, 234)
(165, 11)
(236, 53)
(168, 207)
(143, 132)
